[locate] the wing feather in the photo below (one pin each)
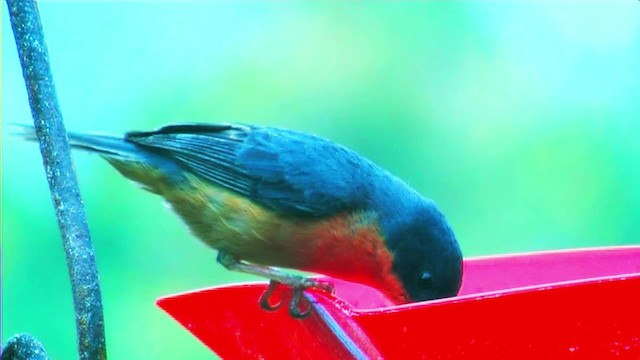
(281, 169)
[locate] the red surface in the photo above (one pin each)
(579, 304)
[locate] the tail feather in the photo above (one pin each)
(152, 170)
(106, 145)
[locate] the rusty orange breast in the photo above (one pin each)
(350, 246)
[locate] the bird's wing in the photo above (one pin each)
(284, 170)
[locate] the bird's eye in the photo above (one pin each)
(424, 280)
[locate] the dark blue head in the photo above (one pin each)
(426, 256)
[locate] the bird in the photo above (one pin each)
(268, 199)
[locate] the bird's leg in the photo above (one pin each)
(298, 283)
(232, 263)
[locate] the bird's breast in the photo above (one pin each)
(350, 246)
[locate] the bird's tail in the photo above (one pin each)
(109, 146)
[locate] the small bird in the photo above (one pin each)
(267, 198)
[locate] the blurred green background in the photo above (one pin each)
(522, 121)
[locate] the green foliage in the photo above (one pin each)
(520, 120)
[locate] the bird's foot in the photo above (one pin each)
(277, 276)
(297, 309)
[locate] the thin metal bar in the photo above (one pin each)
(353, 344)
(34, 58)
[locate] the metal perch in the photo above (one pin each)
(34, 58)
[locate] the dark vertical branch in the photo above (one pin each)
(27, 29)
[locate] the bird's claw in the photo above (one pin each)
(265, 302)
(294, 306)
(295, 309)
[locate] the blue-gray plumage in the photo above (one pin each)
(284, 198)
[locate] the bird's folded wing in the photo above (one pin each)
(288, 171)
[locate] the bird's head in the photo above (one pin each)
(426, 256)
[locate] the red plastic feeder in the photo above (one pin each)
(577, 304)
